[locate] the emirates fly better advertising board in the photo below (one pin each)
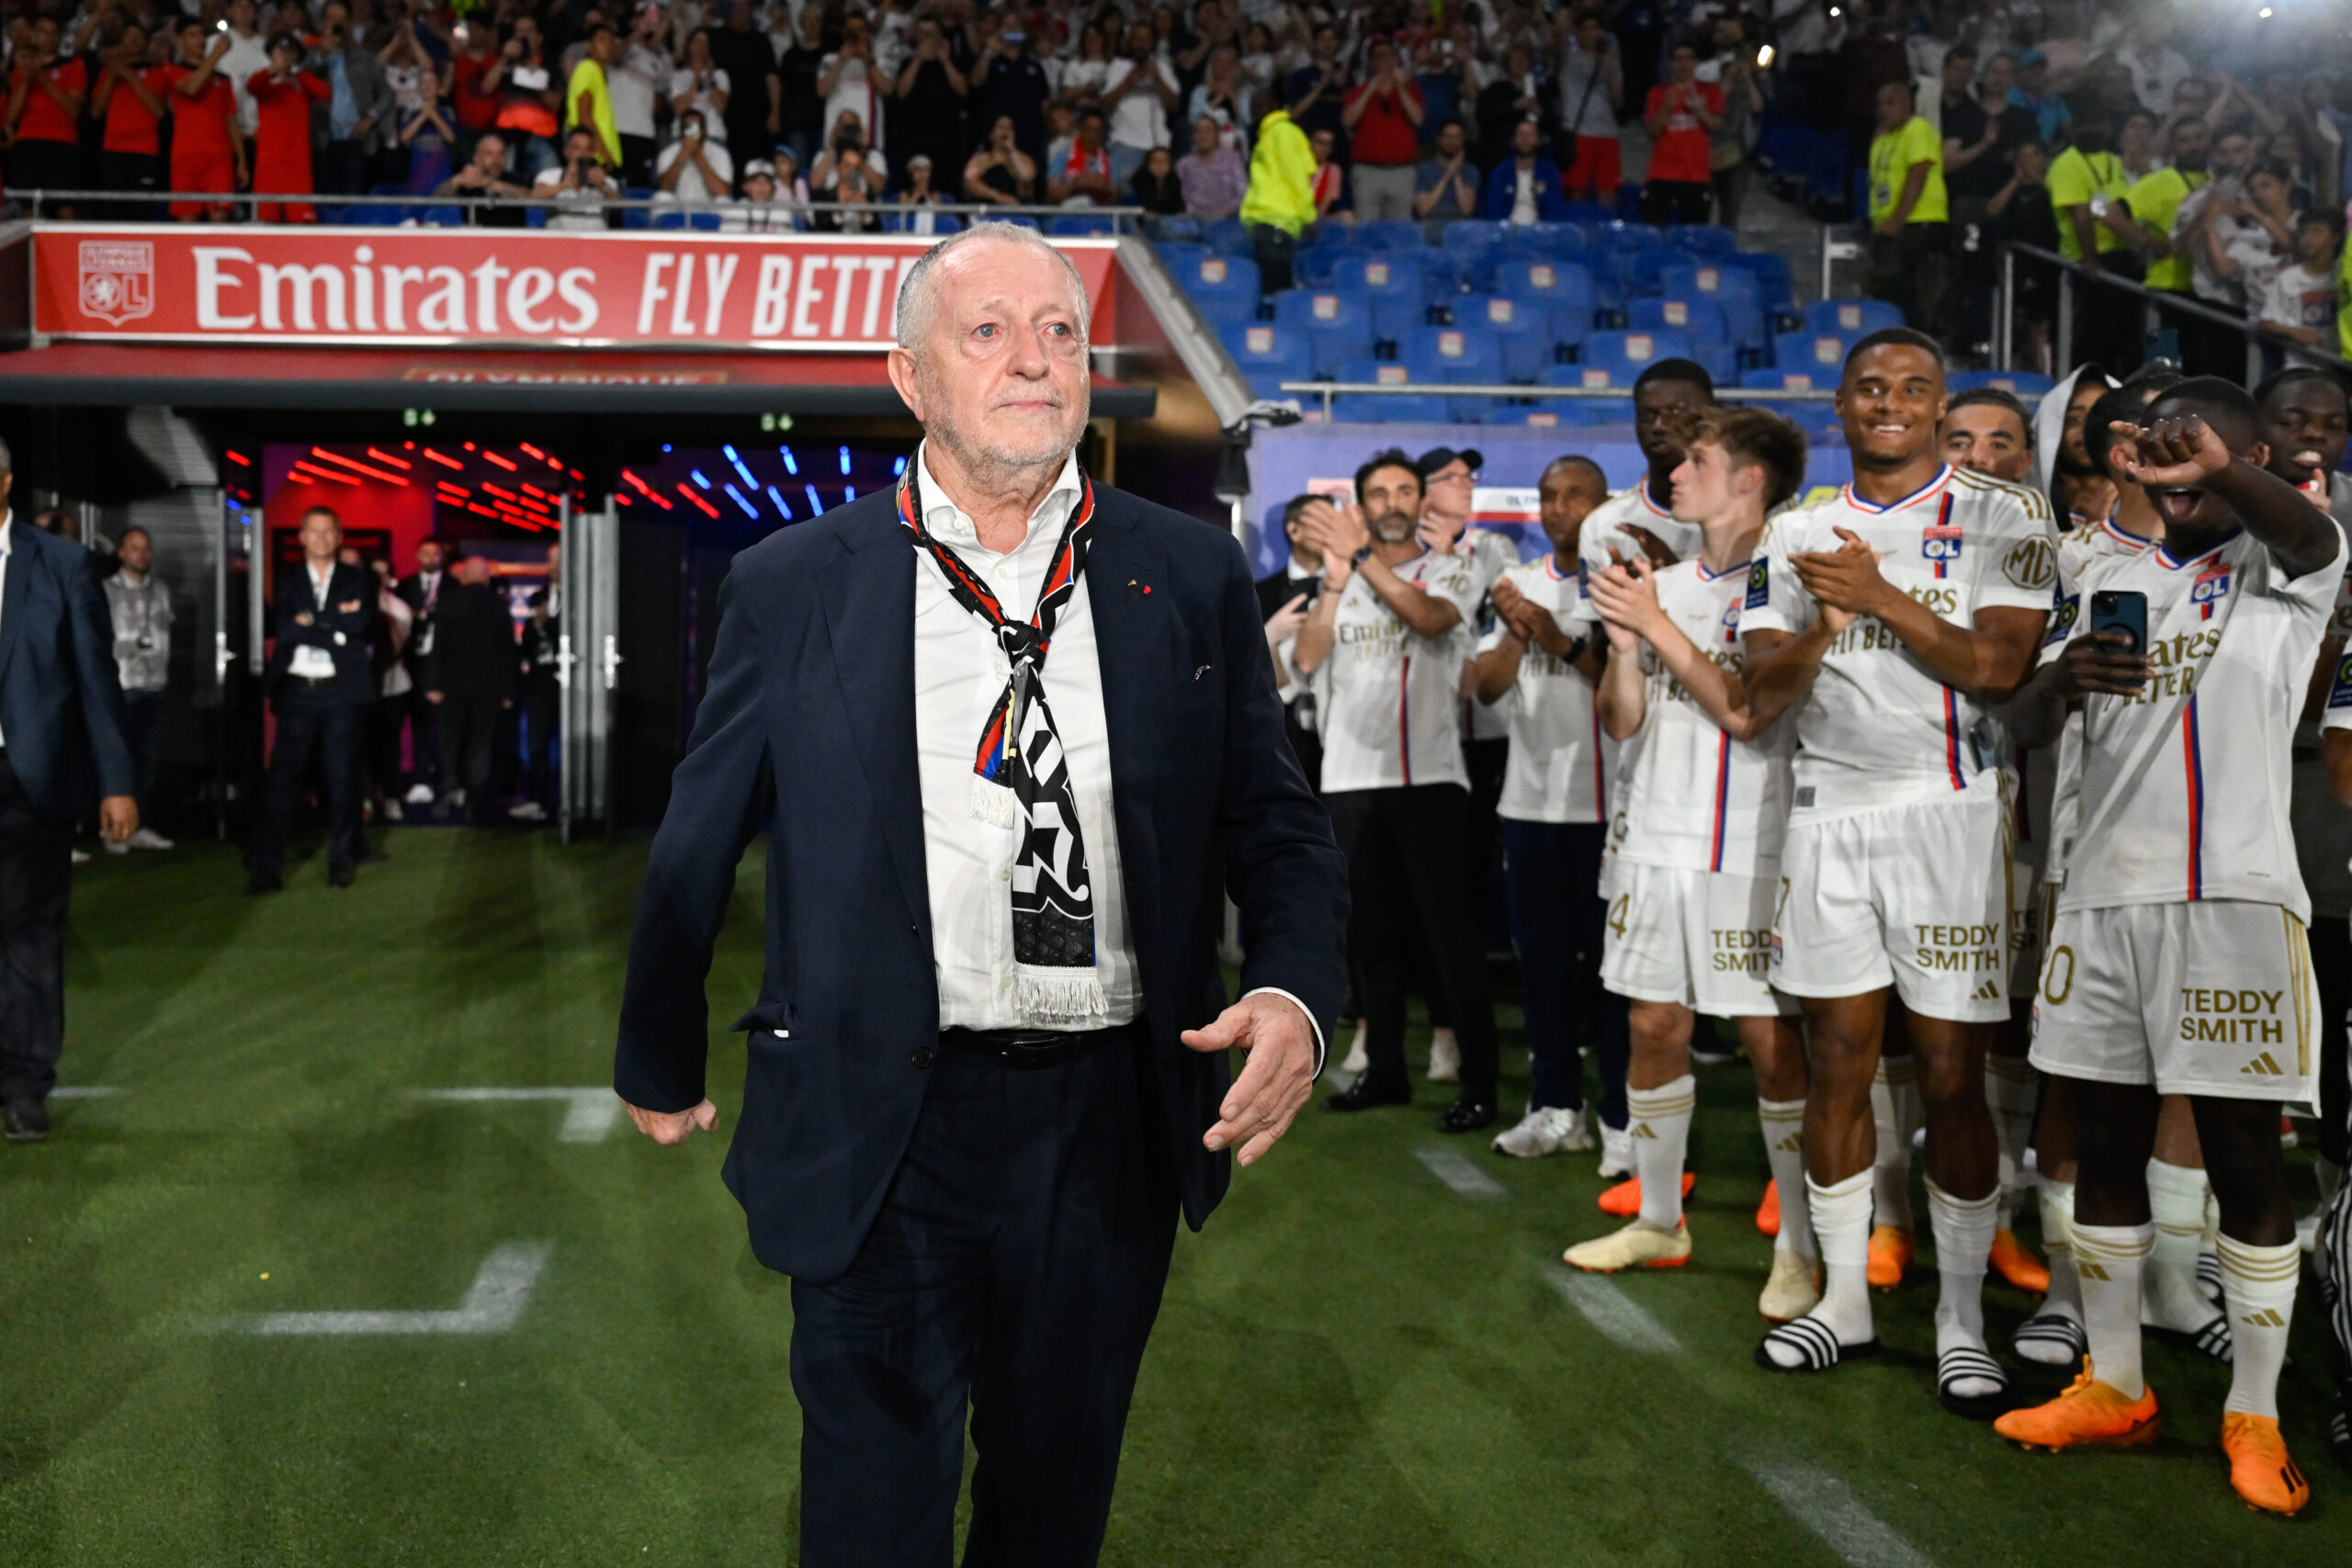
(426, 287)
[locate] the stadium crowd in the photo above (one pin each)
(2003, 790)
(2082, 129)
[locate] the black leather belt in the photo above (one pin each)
(1028, 1048)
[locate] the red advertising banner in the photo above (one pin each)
(503, 288)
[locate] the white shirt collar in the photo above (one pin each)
(8, 531)
(949, 524)
(1298, 573)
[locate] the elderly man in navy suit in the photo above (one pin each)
(1013, 736)
(60, 743)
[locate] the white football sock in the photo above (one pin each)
(2013, 1091)
(1659, 1120)
(1964, 1232)
(1841, 1224)
(1784, 1123)
(1895, 1107)
(2109, 1258)
(2258, 1283)
(2065, 1297)
(2177, 1206)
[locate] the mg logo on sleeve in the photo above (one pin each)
(118, 279)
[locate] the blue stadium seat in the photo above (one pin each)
(1624, 355)
(636, 216)
(1624, 237)
(1391, 284)
(1269, 347)
(1809, 416)
(1391, 234)
(1819, 353)
(1775, 290)
(1702, 321)
(1707, 279)
(1441, 275)
(1553, 240)
(1171, 230)
(1591, 215)
(1229, 236)
(1338, 325)
(1709, 239)
(1080, 223)
(1521, 328)
(1176, 254)
(1468, 352)
(2027, 384)
(1313, 263)
(1586, 410)
(1467, 239)
(443, 217)
(1407, 407)
(1224, 288)
(1854, 317)
(1557, 284)
(1023, 221)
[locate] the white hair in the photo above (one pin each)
(919, 295)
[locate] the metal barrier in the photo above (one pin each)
(1329, 389)
(2152, 301)
(1123, 219)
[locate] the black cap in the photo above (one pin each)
(1437, 457)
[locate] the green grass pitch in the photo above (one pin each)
(1355, 1365)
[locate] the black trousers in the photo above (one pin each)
(1408, 859)
(1017, 1266)
(308, 727)
(539, 702)
(142, 731)
(1676, 202)
(36, 879)
(2334, 1084)
(469, 736)
(424, 736)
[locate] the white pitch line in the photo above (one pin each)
(83, 1091)
(1611, 1311)
(1827, 1506)
(502, 1288)
(589, 1114)
(1452, 1168)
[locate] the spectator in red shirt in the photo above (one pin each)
(284, 93)
(129, 101)
(208, 148)
(1384, 119)
(45, 99)
(1681, 116)
(1330, 189)
(476, 109)
(1085, 173)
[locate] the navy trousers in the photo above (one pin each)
(1552, 872)
(1015, 1270)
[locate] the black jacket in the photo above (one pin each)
(60, 701)
(473, 654)
(806, 730)
(344, 626)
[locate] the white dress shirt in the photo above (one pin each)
(313, 663)
(7, 549)
(960, 672)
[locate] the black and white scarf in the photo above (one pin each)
(1021, 775)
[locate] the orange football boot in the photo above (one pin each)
(1891, 1253)
(2019, 1267)
(1768, 1213)
(1625, 1198)
(2259, 1468)
(2090, 1414)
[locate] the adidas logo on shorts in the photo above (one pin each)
(2264, 1065)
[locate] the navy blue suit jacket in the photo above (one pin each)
(60, 696)
(808, 729)
(1502, 192)
(345, 628)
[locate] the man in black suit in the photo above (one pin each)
(1284, 599)
(61, 744)
(320, 680)
(471, 678)
(420, 592)
(989, 1061)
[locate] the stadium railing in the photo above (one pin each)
(2157, 303)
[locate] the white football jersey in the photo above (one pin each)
(2185, 785)
(1693, 796)
(1389, 702)
(1876, 728)
(1490, 554)
(1561, 765)
(2078, 550)
(1604, 529)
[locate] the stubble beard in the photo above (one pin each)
(1394, 527)
(998, 461)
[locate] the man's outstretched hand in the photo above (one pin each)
(1275, 1082)
(673, 1126)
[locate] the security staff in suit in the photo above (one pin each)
(471, 679)
(420, 590)
(320, 680)
(989, 1061)
(1284, 599)
(61, 744)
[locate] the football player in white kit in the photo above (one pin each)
(1690, 925)
(1382, 638)
(1554, 812)
(2178, 963)
(1891, 618)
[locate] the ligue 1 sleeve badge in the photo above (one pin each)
(118, 279)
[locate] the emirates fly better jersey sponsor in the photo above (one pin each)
(1561, 763)
(2185, 784)
(1389, 700)
(1694, 797)
(1877, 728)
